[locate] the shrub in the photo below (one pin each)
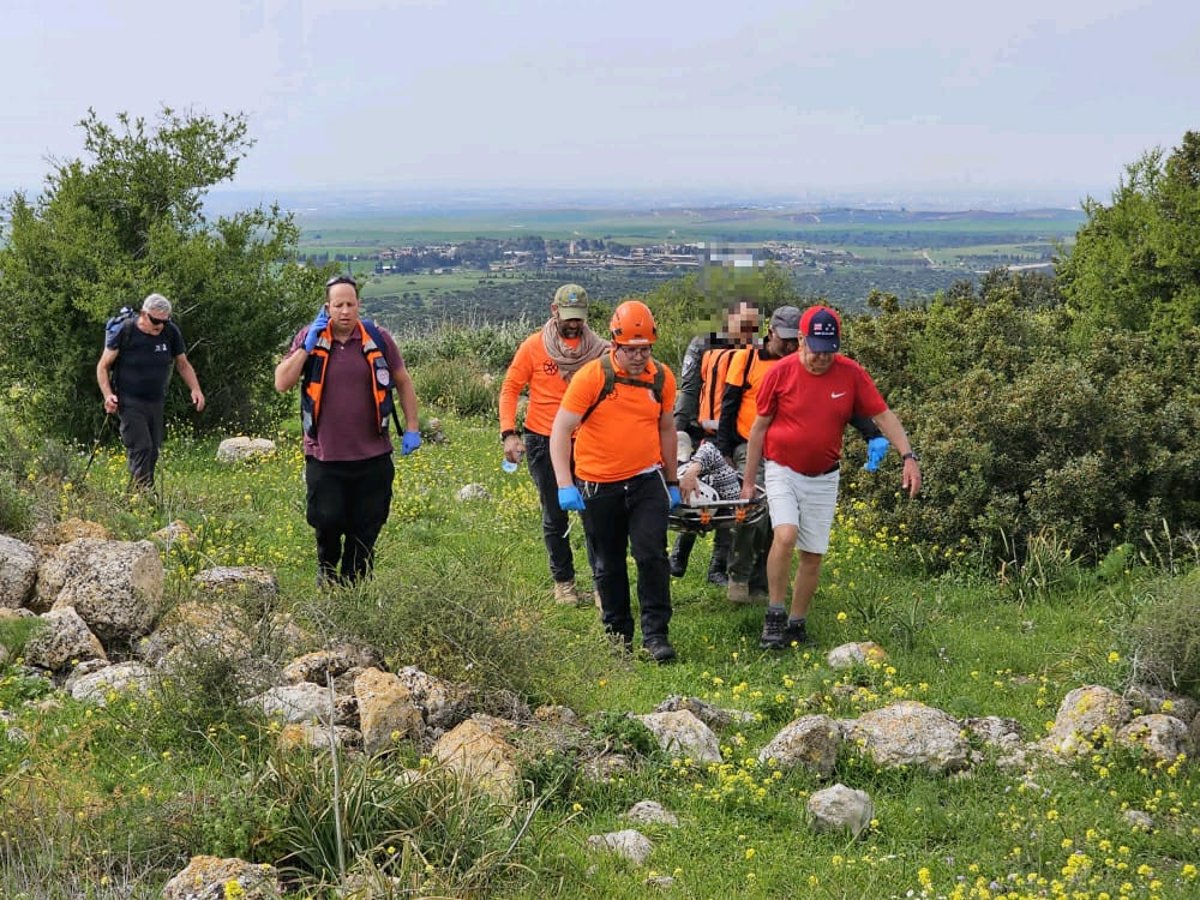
(457, 615)
(1166, 638)
(1023, 434)
(457, 386)
(16, 507)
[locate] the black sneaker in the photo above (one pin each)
(795, 635)
(773, 628)
(660, 650)
(678, 566)
(719, 578)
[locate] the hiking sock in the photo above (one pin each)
(776, 606)
(797, 621)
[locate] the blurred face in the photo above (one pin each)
(815, 363)
(567, 328)
(633, 359)
(342, 301)
(743, 324)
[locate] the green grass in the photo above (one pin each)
(117, 799)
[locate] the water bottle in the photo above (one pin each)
(508, 465)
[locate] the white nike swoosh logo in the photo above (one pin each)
(835, 395)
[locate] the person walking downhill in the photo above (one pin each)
(698, 410)
(544, 364)
(348, 368)
(624, 483)
(804, 405)
(146, 346)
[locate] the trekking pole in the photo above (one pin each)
(96, 445)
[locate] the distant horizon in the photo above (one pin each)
(425, 200)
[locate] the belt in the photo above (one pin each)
(837, 465)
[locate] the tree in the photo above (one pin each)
(1136, 261)
(126, 221)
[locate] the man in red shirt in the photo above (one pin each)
(545, 363)
(803, 405)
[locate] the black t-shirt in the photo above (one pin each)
(144, 361)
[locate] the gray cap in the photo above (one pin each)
(785, 322)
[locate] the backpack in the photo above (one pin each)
(611, 379)
(122, 322)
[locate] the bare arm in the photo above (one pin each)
(103, 368)
(188, 374)
(669, 441)
(408, 397)
(287, 373)
(890, 425)
(758, 433)
(565, 424)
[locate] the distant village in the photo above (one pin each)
(531, 253)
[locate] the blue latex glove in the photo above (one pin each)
(569, 498)
(676, 497)
(314, 330)
(410, 442)
(877, 449)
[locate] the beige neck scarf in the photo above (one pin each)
(569, 359)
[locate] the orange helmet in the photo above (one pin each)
(633, 324)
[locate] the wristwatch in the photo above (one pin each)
(911, 454)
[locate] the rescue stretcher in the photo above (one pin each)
(711, 514)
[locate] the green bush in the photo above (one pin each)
(456, 386)
(1166, 637)
(16, 507)
(1021, 433)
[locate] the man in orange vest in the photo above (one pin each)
(624, 480)
(698, 409)
(544, 364)
(348, 368)
(748, 557)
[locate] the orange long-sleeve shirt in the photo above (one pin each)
(532, 367)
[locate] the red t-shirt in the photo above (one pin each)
(811, 411)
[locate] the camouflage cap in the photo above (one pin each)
(571, 301)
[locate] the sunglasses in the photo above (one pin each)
(341, 279)
(154, 320)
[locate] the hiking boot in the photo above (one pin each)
(774, 625)
(565, 593)
(678, 566)
(795, 635)
(716, 569)
(660, 650)
(738, 592)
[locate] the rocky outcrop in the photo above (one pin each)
(115, 586)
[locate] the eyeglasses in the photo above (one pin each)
(156, 321)
(341, 279)
(634, 351)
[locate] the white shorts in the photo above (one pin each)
(808, 503)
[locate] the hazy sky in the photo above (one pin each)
(780, 95)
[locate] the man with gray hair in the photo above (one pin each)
(136, 389)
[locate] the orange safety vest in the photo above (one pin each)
(714, 364)
(313, 379)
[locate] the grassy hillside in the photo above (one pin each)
(109, 802)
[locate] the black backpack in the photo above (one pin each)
(122, 322)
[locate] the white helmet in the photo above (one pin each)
(703, 495)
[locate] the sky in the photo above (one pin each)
(796, 98)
